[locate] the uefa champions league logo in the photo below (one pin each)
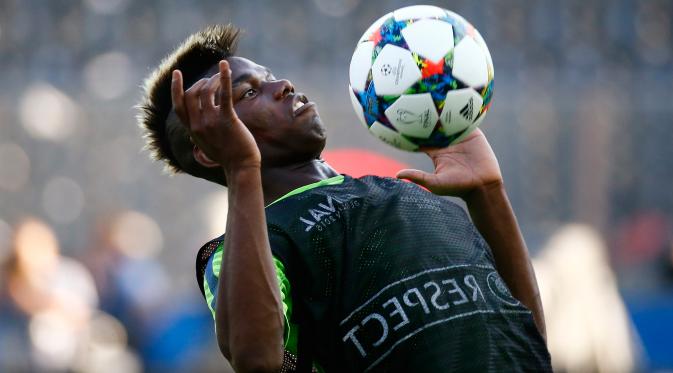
(386, 69)
(396, 71)
(498, 288)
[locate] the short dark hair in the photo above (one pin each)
(194, 57)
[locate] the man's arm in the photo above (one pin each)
(470, 170)
(248, 314)
(494, 217)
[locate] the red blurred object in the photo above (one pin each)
(358, 162)
(642, 237)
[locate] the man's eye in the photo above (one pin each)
(249, 93)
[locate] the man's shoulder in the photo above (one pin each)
(346, 185)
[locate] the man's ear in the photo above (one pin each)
(203, 159)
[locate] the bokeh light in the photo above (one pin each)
(360, 162)
(108, 350)
(107, 6)
(5, 240)
(14, 167)
(36, 248)
(119, 157)
(137, 235)
(653, 28)
(47, 113)
(573, 270)
(336, 8)
(54, 339)
(62, 200)
(175, 24)
(216, 206)
(107, 331)
(109, 75)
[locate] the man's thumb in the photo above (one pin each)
(416, 176)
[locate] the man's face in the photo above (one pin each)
(285, 125)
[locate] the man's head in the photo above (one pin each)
(285, 125)
(264, 104)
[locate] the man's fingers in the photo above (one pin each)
(192, 102)
(207, 94)
(178, 97)
(226, 103)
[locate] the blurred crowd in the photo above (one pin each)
(97, 245)
(107, 311)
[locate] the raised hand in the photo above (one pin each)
(206, 110)
(470, 170)
(459, 169)
(249, 313)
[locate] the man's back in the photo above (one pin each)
(389, 277)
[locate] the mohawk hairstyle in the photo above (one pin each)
(193, 58)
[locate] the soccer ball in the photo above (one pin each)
(421, 76)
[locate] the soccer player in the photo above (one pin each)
(320, 271)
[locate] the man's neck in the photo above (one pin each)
(279, 181)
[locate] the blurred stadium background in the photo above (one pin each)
(97, 245)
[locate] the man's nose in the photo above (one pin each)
(282, 88)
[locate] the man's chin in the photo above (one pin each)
(317, 139)
(317, 126)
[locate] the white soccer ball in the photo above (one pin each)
(421, 76)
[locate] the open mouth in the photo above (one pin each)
(299, 104)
